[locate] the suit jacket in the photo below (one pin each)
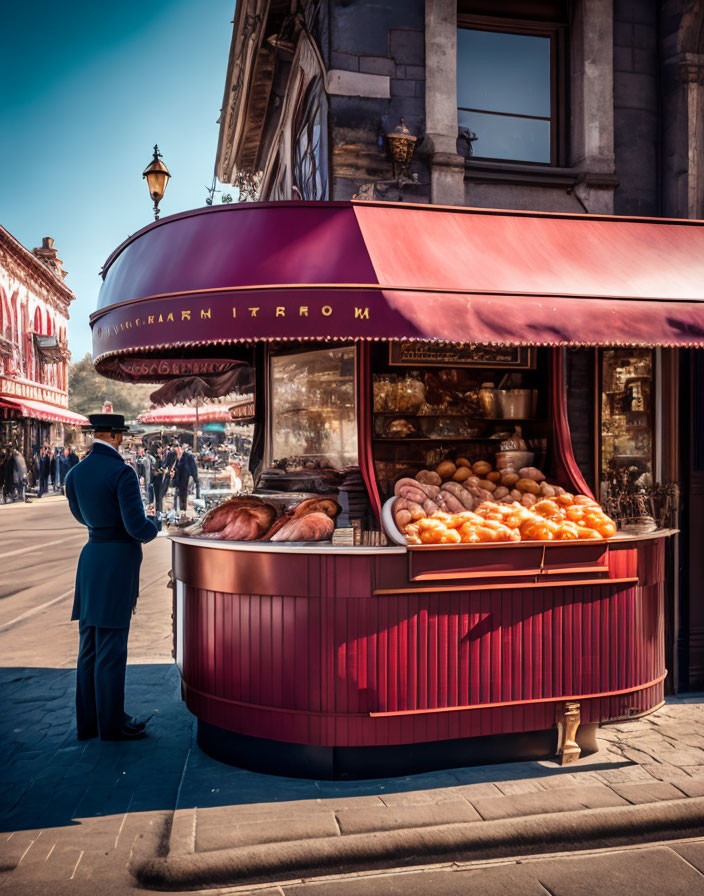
(103, 494)
(186, 467)
(45, 462)
(145, 464)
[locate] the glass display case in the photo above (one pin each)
(627, 426)
(424, 415)
(313, 421)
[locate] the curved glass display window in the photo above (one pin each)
(313, 421)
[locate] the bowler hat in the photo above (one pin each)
(107, 423)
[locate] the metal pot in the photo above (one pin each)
(515, 403)
(514, 460)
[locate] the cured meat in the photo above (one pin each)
(278, 524)
(240, 519)
(317, 505)
(315, 526)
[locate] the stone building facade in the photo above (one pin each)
(314, 88)
(34, 356)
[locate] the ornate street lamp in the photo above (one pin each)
(157, 175)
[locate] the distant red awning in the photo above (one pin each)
(171, 414)
(40, 410)
(366, 270)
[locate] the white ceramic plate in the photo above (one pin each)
(387, 521)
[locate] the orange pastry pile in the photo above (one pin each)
(564, 517)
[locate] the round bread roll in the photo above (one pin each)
(528, 485)
(494, 476)
(446, 469)
(462, 462)
(509, 478)
(481, 468)
(461, 473)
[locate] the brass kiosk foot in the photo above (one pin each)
(568, 719)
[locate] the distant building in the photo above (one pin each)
(34, 356)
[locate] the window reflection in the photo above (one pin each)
(504, 93)
(310, 148)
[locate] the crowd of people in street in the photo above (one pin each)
(159, 467)
(175, 466)
(46, 473)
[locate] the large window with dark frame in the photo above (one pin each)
(511, 88)
(310, 152)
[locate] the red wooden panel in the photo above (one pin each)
(312, 669)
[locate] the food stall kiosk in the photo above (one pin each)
(423, 578)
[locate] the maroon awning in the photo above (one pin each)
(367, 270)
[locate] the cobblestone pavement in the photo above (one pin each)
(74, 813)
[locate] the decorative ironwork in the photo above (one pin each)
(249, 184)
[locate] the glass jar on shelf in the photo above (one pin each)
(488, 403)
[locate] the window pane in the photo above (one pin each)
(313, 416)
(500, 137)
(500, 72)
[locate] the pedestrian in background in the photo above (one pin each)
(143, 466)
(103, 494)
(185, 469)
(45, 461)
(56, 469)
(19, 476)
(158, 479)
(6, 474)
(72, 458)
(63, 468)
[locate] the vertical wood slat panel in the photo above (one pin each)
(422, 650)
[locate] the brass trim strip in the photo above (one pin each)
(439, 290)
(407, 712)
(568, 698)
(498, 586)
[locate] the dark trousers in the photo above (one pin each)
(100, 680)
(43, 485)
(181, 501)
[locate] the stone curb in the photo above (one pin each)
(467, 841)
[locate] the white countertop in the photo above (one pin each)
(326, 547)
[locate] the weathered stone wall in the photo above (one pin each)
(377, 77)
(636, 107)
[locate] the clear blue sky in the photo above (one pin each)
(86, 90)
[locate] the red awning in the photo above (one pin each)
(40, 410)
(368, 270)
(181, 413)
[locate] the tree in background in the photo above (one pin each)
(87, 390)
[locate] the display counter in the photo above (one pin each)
(354, 662)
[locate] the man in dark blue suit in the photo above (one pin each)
(45, 461)
(103, 494)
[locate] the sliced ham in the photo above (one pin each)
(240, 519)
(315, 526)
(317, 505)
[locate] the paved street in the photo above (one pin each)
(74, 813)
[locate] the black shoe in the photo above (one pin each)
(125, 734)
(132, 723)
